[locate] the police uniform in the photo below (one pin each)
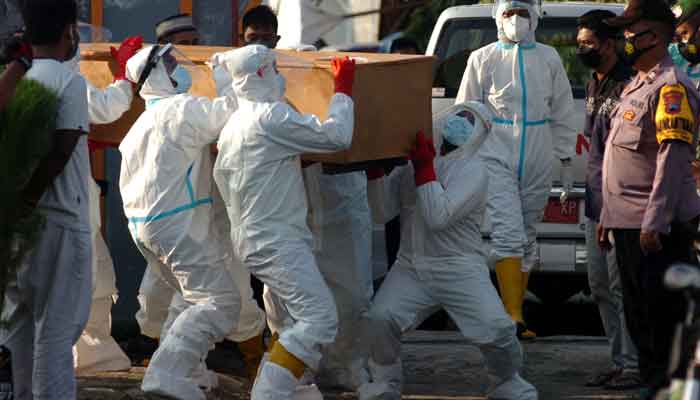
(648, 186)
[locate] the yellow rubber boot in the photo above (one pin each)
(526, 334)
(252, 350)
(280, 356)
(511, 286)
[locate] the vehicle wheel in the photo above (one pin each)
(557, 288)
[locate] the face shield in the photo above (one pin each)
(167, 60)
(465, 125)
(163, 70)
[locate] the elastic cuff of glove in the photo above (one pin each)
(425, 175)
(344, 91)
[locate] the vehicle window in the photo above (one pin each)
(462, 36)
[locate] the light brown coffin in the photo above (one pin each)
(392, 96)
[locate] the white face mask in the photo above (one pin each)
(516, 28)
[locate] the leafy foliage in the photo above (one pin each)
(26, 126)
(423, 19)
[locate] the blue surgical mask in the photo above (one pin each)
(676, 55)
(457, 130)
(182, 78)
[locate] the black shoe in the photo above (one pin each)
(140, 349)
(525, 334)
(6, 390)
(226, 359)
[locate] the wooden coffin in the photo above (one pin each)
(392, 96)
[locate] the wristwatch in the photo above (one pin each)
(25, 62)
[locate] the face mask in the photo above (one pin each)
(628, 52)
(516, 28)
(589, 57)
(457, 130)
(676, 55)
(690, 51)
(182, 78)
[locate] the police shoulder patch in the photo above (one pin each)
(674, 117)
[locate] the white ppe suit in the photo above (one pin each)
(155, 295)
(342, 226)
(441, 264)
(96, 350)
(258, 172)
(165, 184)
(526, 88)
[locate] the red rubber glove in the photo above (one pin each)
(375, 173)
(422, 156)
(127, 49)
(16, 49)
(343, 74)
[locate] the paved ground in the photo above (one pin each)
(438, 365)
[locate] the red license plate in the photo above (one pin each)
(558, 213)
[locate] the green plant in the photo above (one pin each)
(423, 19)
(26, 126)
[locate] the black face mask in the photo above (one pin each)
(628, 52)
(690, 51)
(589, 57)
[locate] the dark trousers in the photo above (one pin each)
(652, 311)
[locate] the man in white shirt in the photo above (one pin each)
(49, 303)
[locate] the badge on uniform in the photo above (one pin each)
(672, 101)
(674, 118)
(628, 115)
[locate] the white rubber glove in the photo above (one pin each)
(567, 179)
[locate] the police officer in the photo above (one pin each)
(596, 50)
(648, 189)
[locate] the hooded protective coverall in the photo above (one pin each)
(155, 294)
(440, 264)
(258, 172)
(96, 349)
(165, 183)
(526, 88)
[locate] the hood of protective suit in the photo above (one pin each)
(158, 85)
(254, 74)
(469, 142)
(511, 5)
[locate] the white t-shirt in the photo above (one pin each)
(65, 202)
